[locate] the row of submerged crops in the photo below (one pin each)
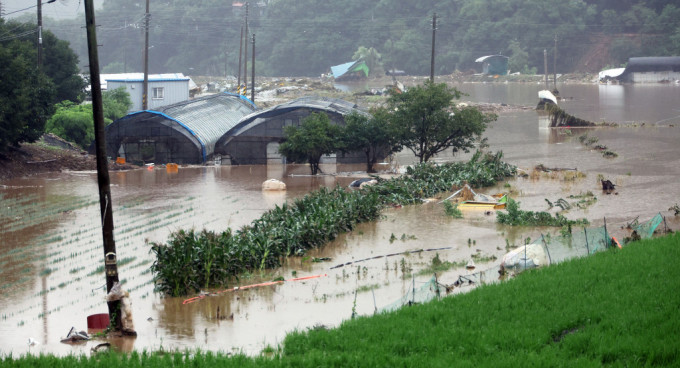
(192, 260)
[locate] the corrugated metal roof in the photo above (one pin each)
(317, 103)
(205, 118)
(208, 118)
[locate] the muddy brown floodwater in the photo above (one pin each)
(51, 269)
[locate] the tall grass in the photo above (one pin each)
(615, 308)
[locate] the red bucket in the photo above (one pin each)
(98, 321)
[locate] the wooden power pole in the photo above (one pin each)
(434, 30)
(240, 55)
(555, 66)
(252, 80)
(145, 87)
(245, 56)
(545, 67)
(105, 203)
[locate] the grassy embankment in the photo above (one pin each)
(615, 308)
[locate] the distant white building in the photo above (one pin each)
(164, 89)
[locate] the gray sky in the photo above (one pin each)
(61, 9)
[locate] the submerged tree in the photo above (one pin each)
(425, 120)
(315, 137)
(369, 134)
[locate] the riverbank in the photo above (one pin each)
(601, 310)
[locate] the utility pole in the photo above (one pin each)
(252, 89)
(105, 202)
(240, 52)
(145, 87)
(40, 56)
(245, 57)
(555, 65)
(39, 34)
(545, 67)
(434, 30)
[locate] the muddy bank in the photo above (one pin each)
(44, 156)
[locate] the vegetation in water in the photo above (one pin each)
(675, 209)
(192, 260)
(437, 265)
(516, 217)
(451, 209)
(590, 142)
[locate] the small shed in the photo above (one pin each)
(183, 133)
(494, 64)
(656, 69)
(164, 89)
(256, 138)
(350, 70)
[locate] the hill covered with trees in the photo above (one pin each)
(306, 37)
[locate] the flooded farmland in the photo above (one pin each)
(51, 259)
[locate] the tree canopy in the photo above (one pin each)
(370, 135)
(425, 120)
(306, 37)
(316, 136)
(28, 93)
(75, 123)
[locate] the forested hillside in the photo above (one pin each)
(306, 37)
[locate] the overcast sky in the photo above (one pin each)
(61, 9)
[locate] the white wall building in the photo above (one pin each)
(164, 89)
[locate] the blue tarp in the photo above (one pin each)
(340, 70)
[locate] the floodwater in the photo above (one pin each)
(51, 256)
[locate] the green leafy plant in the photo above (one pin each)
(675, 209)
(516, 217)
(451, 209)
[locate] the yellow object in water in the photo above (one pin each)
(171, 168)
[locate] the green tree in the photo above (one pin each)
(25, 96)
(75, 122)
(316, 136)
(372, 59)
(116, 104)
(61, 66)
(425, 120)
(369, 134)
(59, 63)
(519, 59)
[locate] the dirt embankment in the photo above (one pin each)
(49, 154)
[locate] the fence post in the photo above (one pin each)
(606, 235)
(546, 248)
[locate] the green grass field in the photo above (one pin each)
(615, 308)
